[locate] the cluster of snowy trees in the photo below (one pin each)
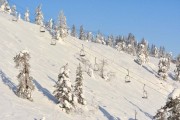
(127, 44)
(67, 97)
(58, 30)
(64, 93)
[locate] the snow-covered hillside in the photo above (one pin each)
(106, 100)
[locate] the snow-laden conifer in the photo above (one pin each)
(171, 111)
(39, 16)
(73, 31)
(63, 91)
(63, 29)
(26, 15)
(81, 33)
(177, 70)
(78, 88)
(163, 67)
(25, 86)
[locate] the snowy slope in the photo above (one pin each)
(106, 100)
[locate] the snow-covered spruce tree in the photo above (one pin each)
(73, 31)
(110, 41)
(26, 15)
(50, 24)
(177, 70)
(131, 44)
(163, 68)
(89, 36)
(171, 111)
(121, 45)
(39, 16)
(78, 88)
(56, 34)
(7, 8)
(13, 11)
(81, 33)
(100, 38)
(142, 52)
(63, 92)
(63, 29)
(25, 86)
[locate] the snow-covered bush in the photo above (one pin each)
(78, 88)
(63, 92)
(25, 86)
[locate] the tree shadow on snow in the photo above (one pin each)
(7, 81)
(51, 79)
(147, 114)
(45, 92)
(171, 76)
(107, 114)
(132, 119)
(152, 72)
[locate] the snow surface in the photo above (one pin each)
(106, 100)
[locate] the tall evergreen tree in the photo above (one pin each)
(63, 25)
(81, 33)
(163, 67)
(39, 16)
(26, 15)
(78, 88)
(25, 86)
(73, 31)
(63, 92)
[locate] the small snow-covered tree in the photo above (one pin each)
(73, 31)
(63, 92)
(63, 29)
(89, 36)
(50, 24)
(56, 34)
(4, 6)
(177, 70)
(25, 86)
(110, 41)
(142, 52)
(39, 16)
(163, 67)
(81, 33)
(78, 88)
(131, 44)
(121, 45)
(26, 15)
(171, 111)
(13, 10)
(100, 38)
